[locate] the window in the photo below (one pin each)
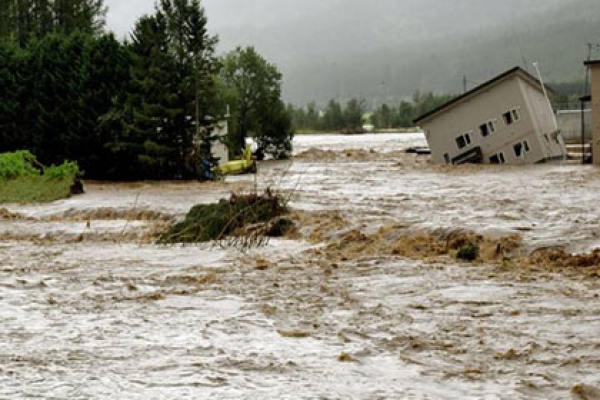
(511, 116)
(557, 137)
(463, 140)
(521, 148)
(498, 158)
(515, 114)
(518, 148)
(487, 129)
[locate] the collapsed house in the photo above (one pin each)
(506, 120)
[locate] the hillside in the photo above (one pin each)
(391, 48)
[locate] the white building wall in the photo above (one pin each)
(552, 144)
(219, 147)
(489, 105)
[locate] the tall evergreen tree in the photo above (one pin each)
(253, 89)
(22, 20)
(10, 139)
(83, 15)
(172, 90)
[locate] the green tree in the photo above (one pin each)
(171, 95)
(405, 115)
(10, 139)
(333, 118)
(382, 117)
(83, 15)
(253, 90)
(353, 114)
(22, 20)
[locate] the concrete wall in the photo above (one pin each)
(513, 93)
(546, 127)
(569, 123)
(596, 112)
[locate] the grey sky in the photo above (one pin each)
(122, 14)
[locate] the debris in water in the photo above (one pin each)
(585, 392)
(206, 222)
(293, 334)
(345, 357)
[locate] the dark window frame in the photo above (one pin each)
(498, 158)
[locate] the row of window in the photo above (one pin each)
(487, 128)
(520, 150)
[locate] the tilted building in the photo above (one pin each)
(507, 120)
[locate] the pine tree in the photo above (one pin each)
(10, 139)
(83, 15)
(171, 90)
(22, 20)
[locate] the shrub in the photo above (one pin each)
(68, 170)
(17, 165)
(469, 252)
(206, 222)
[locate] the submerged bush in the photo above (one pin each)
(206, 222)
(469, 252)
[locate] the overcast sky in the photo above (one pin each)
(122, 14)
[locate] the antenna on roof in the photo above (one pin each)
(539, 74)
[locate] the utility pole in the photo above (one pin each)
(464, 84)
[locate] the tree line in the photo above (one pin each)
(335, 117)
(132, 110)
(21, 20)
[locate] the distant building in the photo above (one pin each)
(594, 98)
(507, 120)
(219, 147)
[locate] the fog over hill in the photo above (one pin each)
(384, 50)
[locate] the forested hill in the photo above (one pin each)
(388, 49)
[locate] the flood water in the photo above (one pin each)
(90, 307)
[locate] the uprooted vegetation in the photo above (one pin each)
(343, 243)
(242, 219)
(398, 241)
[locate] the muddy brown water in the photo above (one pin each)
(91, 308)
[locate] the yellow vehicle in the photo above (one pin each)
(246, 165)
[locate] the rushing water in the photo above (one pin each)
(91, 308)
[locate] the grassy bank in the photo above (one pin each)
(30, 189)
(24, 180)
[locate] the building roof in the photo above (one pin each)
(480, 88)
